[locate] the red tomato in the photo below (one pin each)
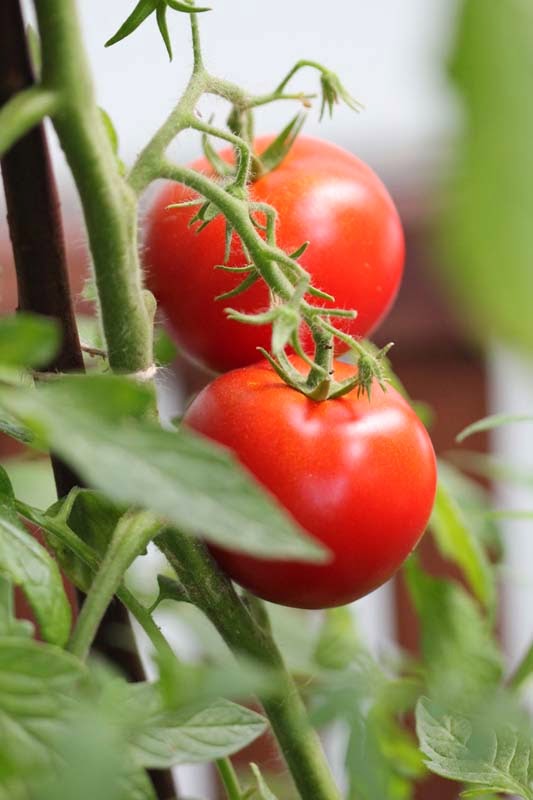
(357, 475)
(324, 195)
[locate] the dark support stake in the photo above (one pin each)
(38, 245)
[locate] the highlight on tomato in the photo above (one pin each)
(324, 195)
(357, 474)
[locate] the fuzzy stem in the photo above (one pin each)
(214, 594)
(109, 205)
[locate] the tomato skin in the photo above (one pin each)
(324, 195)
(357, 475)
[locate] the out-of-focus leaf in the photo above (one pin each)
(466, 749)
(488, 234)
(461, 657)
(27, 564)
(489, 423)
(456, 542)
(194, 484)
(476, 507)
(27, 340)
(338, 642)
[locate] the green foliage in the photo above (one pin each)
(28, 565)
(264, 791)
(479, 749)
(488, 234)
(460, 656)
(27, 340)
(197, 486)
(457, 542)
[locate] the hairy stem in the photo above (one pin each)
(109, 205)
(214, 594)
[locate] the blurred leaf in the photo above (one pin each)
(457, 543)
(11, 428)
(461, 657)
(165, 351)
(264, 791)
(188, 480)
(27, 340)
(32, 479)
(489, 423)
(475, 503)
(465, 749)
(488, 235)
(35, 683)
(338, 642)
(524, 670)
(28, 565)
(9, 625)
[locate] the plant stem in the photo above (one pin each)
(229, 779)
(109, 205)
(132, 534)
(214, 594)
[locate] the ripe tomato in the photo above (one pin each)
(357, 475)
(324, 195)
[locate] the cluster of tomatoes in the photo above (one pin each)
(357, 473)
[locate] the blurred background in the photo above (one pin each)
(447, 127)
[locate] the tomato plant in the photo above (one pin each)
(323, 195)
(358, 474)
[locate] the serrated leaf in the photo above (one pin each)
(457, 543)
(28, 565)
(465, 750)
(194, 484)
(27, 340)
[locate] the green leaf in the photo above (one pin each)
(465, 750)
(278, 149)
(142, 10)
(161, 16)
(165, 351)
(194, 484)
(460, 655)
(28, 565)
(167, 738)
(264, 791)
(36, 681)
(487, 234)
(12, 429)
(489, 423)
(93, 518)
(457, 543)
(27, 340)
(524, 670)
(476, 506)
(338, 642)
(9, 625)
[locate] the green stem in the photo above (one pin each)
(109, 205)
(229, 778)
(62, 533)
(214, 594)
(132, 534)
(25, 110)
